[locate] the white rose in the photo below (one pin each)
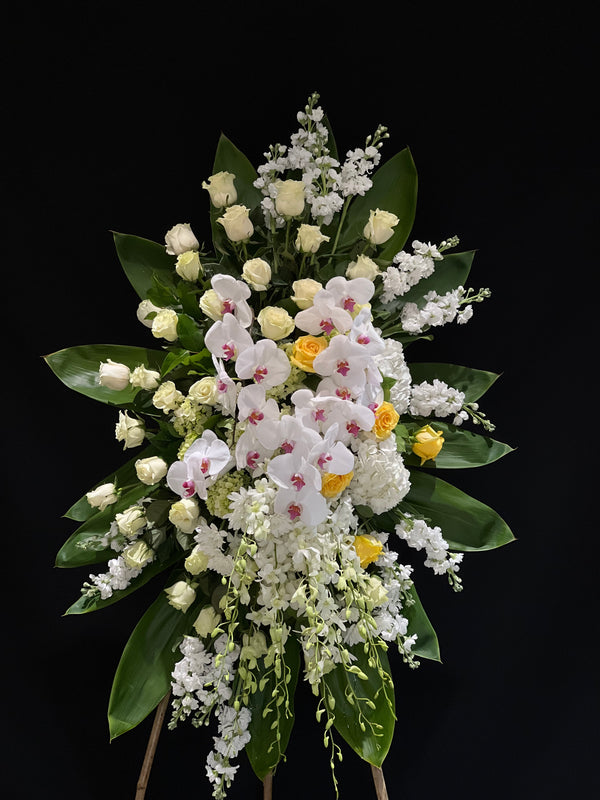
(211, 305)
(257, 273)
(237, 224)
(197, 561)
(147, 307)
(113, 375)
(138, 554)
(290, 198)
(206, 621)
(275, 323)
(304, 292)
(188, 265)
(310, 238)
(151, 470)
(167, 397)
(204, 391)
(131, 521)
(184, 514)
(221, 189)
(181, 595)
(181, 238)
(380, 226)
(130, 431)
(102, 496)
(363, 267)
(164, 325)
(144, 378)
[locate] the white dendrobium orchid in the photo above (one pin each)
(324, 316)
(263, 363)
(226, 339)
(202, 463)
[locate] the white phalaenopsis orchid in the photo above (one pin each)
(348, 294)
(299, 483)
(324, 316)
(226, 338)
(202, 463)
(233, 294)
(263, 363)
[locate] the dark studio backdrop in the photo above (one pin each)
(113, 117)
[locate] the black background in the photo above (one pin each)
(113, 113)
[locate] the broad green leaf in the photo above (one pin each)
(461, 449)
(124, 476)
(77, 367)
(144, 262)
(264, 751)
(394, 189)
(466, 523)
(143, 676)
(448, 275)
(73, 553)
(473, 382)
(427, 645)
(373, 743)
(160, 564)
(189, 333)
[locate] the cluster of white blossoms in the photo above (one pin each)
(407, 270)
(437, 399)
(438, 310)
(420, 536)
(324, 182)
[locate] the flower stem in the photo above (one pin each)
(268, 786)
(159, 717)
(342, 218)
(379, 782)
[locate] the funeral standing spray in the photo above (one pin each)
(286, 454)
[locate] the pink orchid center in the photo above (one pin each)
(343, 393)
(228, 306)
(294, 511)
(324, 459)
(327, 325)
(373, 407)
(204, 465)
(343, 368)
(353, 428)
(252, 458)
(189, 488)
(221, 386)
(363, 339)
(287, 447)
(298, 481)
(256, 416)
(349, 304)
(228, 350)
(319, 415)
(260, 374)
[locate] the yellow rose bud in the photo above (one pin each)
(306, 349)
(332, 485)
(367, 548)
(386, 419)
(428, 443)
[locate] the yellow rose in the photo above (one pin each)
(428, 443)
(367, 548)
(306, 349)
(386, 419)
(332, 485)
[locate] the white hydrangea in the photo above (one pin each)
(380, 479)
(392, 364)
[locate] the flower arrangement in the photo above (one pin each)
(286, 453)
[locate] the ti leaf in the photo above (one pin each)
(352, 695)
(143, 676)
(265, 749)
(473, 382)
(146, 263)
(427, 645)
(461, 449)
(77, 367)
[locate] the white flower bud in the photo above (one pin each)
(309, 238)
(188, 265)
(144, 378)
(164, 325)
(113, 375)
(130, 431)
(363, 267)
(257, 273)
(184, 514)
(151, 470)
(181, 595)
(138, 554)
(131, 521)
(290, 198)
(221, 189)
(197, 561)
(102, 496)
(237, 224)
(206, 621)
(147, 307)
(380, 226)
(181, 238)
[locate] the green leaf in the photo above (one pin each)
(143, 676)
(145, 263)
(466, 523)
(394, 189)
(461, 449)
(473, 382)
(77, 367)
(189, 333)
(73, 552)
(263, 750)
(372, 744)
(160, 564)
(124, 476)
(427, 645)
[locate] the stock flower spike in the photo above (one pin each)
(287, 455)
